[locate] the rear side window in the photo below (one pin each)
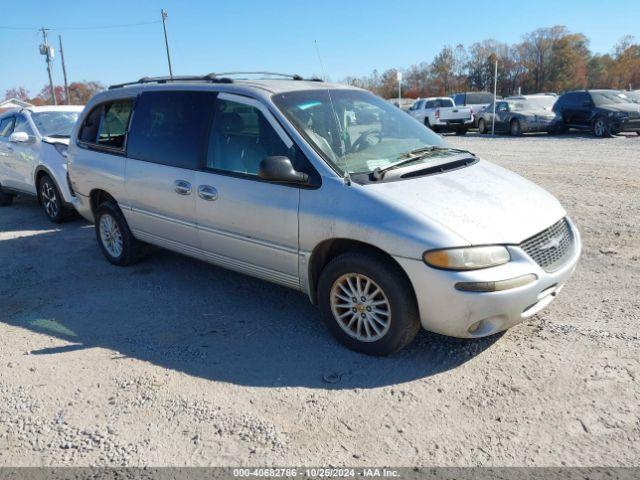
(6, 126)
(459, 99)
(106, 125)
(431, 104)
(171, 128)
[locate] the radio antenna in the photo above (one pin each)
(341, 133)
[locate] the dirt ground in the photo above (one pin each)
(176, 362)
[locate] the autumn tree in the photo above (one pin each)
(20, 93)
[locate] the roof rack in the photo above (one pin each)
(210, 77)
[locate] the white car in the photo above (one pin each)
(33, 151)
(441, 114)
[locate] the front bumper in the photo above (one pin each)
(448, 311)
(625, 125)
(539, 125)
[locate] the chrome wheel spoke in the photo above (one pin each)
(360, 307)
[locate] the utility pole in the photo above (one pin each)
(64, 72)
(47, 51)
(495, 96)
(166, 42)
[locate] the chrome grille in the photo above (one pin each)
(551, 247)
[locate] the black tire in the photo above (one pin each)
(600, 128)
(427, 123)
(404, 321)
(515, 129)
(51, 200)
(461, 131)
(482, 127)
(6, 199)
(131, 249)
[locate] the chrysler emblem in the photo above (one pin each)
(553, 243)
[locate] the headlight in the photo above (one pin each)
(619, 114)
(467, 258)
(61, 148)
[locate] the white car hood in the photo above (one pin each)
(482, 203)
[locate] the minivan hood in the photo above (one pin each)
(482, 203)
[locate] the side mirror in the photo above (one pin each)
(280, 169)
(19, 137)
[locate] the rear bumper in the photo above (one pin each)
(446, 310)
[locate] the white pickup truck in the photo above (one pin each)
(441, 114)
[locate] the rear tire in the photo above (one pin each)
(114, 237)
(482, 127)
(515, 128)
(6, 199)
(51, 200)
(383, 318)
(427, 123)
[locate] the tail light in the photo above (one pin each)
(438, 113)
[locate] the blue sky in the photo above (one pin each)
(354, 36)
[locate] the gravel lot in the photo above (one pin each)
(176, 362)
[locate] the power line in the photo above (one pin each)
(125, 25)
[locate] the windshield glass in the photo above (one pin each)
(608, 98)
(364, 133)
(55, 124)
(634, 96)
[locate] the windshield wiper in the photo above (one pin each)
(412, 156)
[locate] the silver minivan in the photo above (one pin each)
(323, 188)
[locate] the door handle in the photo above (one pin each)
(182, 187)
(207, 192)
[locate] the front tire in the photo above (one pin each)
(600, 128)
(51, 200)
(515, 128)
(368, 303)
(115, 239)
(6, 199)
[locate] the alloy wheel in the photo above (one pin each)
(599, 129)
(49, 199)
(111, 236)
(360, 307)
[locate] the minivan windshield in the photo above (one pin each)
(355, 130)
(55, 124)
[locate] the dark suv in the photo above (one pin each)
(604, 112)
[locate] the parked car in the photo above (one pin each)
(33, 147)
(603, 112)
(440, 114)
(381, 224)
(477, 101)
(518, 115)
